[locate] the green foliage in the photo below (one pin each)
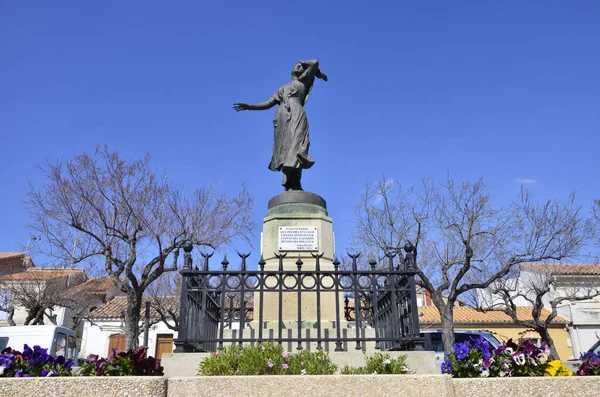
(311, 363)
(266, 359)
(380, 363)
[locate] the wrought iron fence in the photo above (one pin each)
(221, 307)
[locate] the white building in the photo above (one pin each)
(104, 330)
(568, 280)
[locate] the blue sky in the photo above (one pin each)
(506, 91)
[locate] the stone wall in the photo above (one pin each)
(322, 385)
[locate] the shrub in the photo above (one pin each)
(590, 364)
(266, 359)
(33, 362)
(380, 363)
(130, 363)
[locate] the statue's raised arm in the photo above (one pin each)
(291, 137)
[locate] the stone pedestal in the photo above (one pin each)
(297, 209)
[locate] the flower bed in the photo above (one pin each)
(37, 362)
(130, 363)
(475, 358)
(32, 363)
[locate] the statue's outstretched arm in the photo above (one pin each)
(268, 104)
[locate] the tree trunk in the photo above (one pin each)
(447, 320)
(39, 317)
(29, 317)
(545, 335)
(132, 321)
(9, 318)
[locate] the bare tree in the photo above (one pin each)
(6, 304)
(120, 215)
(465, 242)
(164, 298)
(41, 291)
(539, 287)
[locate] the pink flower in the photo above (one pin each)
(284, 366)
(270, 363)
(284, 355)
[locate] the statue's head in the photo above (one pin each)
(297, 70)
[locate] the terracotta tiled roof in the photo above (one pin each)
(468, 315)
(42, 274)
(95, 286)
(117, 306)
(572, 269)
(11, 255)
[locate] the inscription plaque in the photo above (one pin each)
(298, 238)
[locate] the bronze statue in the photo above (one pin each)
(291, 141)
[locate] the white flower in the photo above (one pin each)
(485, 373)
(542, 358)
(502, 374)
(509, 350)
(405, 369)
(479, 364)
(374, 372)
(386, 361)
(519, 359)
(303, 372)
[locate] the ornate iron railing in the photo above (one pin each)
(218, 307)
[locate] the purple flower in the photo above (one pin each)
(583, 370)
(5, 361)
(500, 349)
(100, 367)
(487, 363)
(594, 361)
(284, 366)
(270, 363)
(46, 373)
(483, 345)
(21, 374)
(27, 352)
(446, 367)
(69, 364)
(92, 358)
(284, 355)
(461, 350)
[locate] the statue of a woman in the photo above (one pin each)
(291, 141)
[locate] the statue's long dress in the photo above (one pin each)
(291, 140)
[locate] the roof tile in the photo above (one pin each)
(573, 269)
(117, 306)
(468, 315)
(11, 255)
(41, 274)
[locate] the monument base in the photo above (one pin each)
(287, 212)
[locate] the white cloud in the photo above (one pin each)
(525, 181)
